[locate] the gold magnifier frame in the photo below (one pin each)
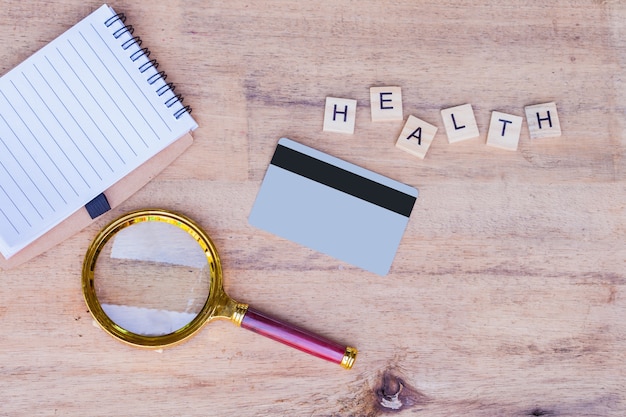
(218, 304)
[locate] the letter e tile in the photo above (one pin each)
(386, 103)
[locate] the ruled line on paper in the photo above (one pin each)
(69, 160)
(16, 207)
(96, 101)
(29, 154)
(135, 82)
(9, 220)
(39, 142)
(89, 115)
(77, 124)
(107, 91)
(36, 140)
(22, 191)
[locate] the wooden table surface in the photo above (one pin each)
(507, 296)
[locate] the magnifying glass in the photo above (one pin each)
(153, 278)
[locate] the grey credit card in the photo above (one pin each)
(333, 206)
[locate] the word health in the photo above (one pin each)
(459, 122)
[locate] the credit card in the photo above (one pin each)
(332, 206)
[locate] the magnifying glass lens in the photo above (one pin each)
(152, 278)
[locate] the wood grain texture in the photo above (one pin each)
(507, 295)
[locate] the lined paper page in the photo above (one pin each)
(75, 118)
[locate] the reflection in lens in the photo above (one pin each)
(152, 278)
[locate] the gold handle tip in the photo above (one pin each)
(239, 313)
(349, 357)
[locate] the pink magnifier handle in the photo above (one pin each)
(299, 338)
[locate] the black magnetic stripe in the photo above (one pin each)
(342, 180)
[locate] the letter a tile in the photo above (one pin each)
(339, 115)
(460, 123)
(416, 137)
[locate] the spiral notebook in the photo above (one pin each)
(84, 123)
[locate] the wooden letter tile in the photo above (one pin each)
(543, 121)
(386, 103)
(460, 123)
(339, 115)
(416, 137)
(504, 131)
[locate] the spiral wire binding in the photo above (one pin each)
(152, 63)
